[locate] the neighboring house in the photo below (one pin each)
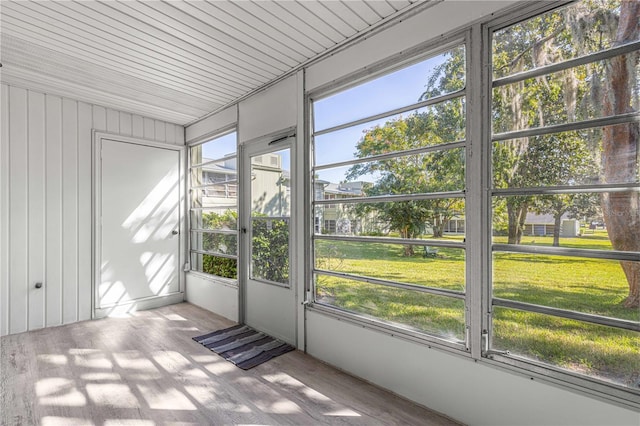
(543, 224)
(270, 185)
(535, 225)
(334, 218)
(224, 193)
(455, 225)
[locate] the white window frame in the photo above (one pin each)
(478, 226)
(201, 141)
(385, 67)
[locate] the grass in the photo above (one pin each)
(586, 285)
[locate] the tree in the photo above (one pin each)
(620, 146)
(603, 88)
(557, 160)
(409, 174)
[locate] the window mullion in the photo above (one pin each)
(476, 180)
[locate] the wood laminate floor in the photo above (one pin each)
(146, 370)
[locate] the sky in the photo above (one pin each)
(391, 91)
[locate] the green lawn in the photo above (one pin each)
(586, 285)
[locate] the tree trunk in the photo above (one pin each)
(438, 227)
(512, 215)
(556, 229)
(408, 248)
(522, 218)
(620, 152)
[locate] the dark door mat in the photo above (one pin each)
(244, 346)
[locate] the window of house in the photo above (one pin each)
(565, 155)
(213, 167)
(398, 165)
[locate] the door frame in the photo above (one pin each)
(264, 144)
(96, 225)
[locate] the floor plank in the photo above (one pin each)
(146, 370)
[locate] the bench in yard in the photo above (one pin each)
(430, 252)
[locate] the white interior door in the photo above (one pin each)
(138, 226)
(269, 296)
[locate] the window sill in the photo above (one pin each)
(227, 282)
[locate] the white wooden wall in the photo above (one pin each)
(45, 225)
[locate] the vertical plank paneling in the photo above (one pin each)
(36, 219)
(149, 128)
(160, 131)
(18, 206)
(99, 118)
(4, 210)
(54, 211)
(179, 135)
(138, 126)
(69, 211)
(125, 124)
(113, 121)
(45, 210)
(170, 133)
(84, 210)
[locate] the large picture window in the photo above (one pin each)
(498, 216)
(566, 192)
(389, 177)
(214, 206)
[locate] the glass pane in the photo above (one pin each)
(602, 221)
(433, 125)
(565, 33)
(220, 217)
(271, 184)
(563, 97)
(435, 76)
(219, 243)
(214, 265)
(409, 174)
(595, 156)
(419, 263)
(606, 353)
(223, 146)
(438, 218)
(270, 249)
(270, 213)
(439, 315)
(593, 286)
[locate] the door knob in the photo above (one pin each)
(174, 232)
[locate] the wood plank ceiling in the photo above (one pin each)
(173, 60)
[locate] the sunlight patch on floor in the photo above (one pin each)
(134, 360)
(345, 412)
(285, 380)
(91, 358)
(54, 359)
(65, 421)
(129, 422)
(165, 399)
(59, 391)
(97, 377)
(113, 395)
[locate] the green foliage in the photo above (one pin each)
(220, 266)
(220, 243)
(270, 249)
(410, 174)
